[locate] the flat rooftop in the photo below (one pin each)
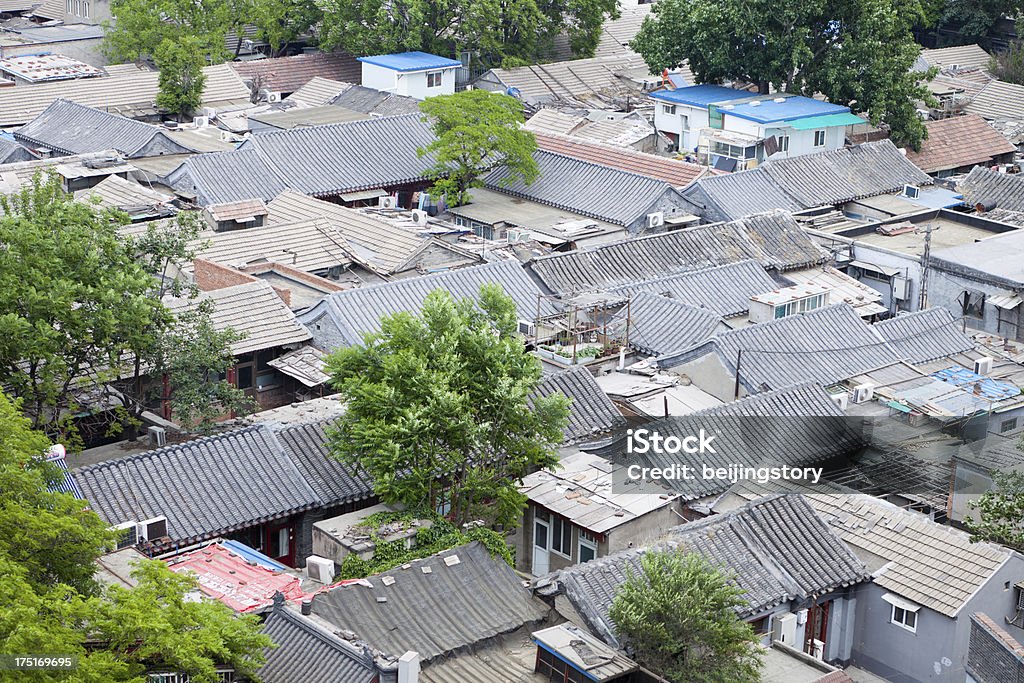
(949, 229)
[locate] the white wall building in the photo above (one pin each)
(414, 74)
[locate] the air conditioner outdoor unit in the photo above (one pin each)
(157, 436)
(273, 97)
(387, 202)
(841, 400)
(152, 529)
(209, 112)
(862, 393)
(528, 328)
(127, 534)
(656, 219)
(420, 217)
(200, 121)
(320, 569)
(983, 365)
(911, 192)
(784, 629)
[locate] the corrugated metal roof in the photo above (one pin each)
(825, 121)
(774, 240)
(411, 61)
(926, 335)
(306, 652)
(253, 309)
(469, 600)
(658, 325)
(778, 549)
(305, 117)
(383, 245)
(352, 313)
(231, 579)
(983, 185)
(126, 90)
(959, 141)
(70, 128)
(726, 290)
(702, 95)
(793, 108)
(205, 488)
(601, 192)
(591, 411)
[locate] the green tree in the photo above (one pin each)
(182, 79)
(973, 20)
(476, 131)
(141, 26)
(1009, 65)
(857, 53)
(282, 21)
(1000, 511)
(679, 617)
(73, 300)
(439, 408)
(53, 606)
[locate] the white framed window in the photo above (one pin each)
(904, 618)
(783, 143)
(433, 79)
(685, 122)
(819, 138)
(1007, 425)
(588, 546)
(669, 109)
(561, 536)
(85, 7)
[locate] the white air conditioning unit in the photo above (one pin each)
(157, 436)
(784, 629)
(528, 328)
(320, 569)
(862, 393)
(656, 219)
(420, 217)
(983, 365)
(387, 202)
(911, 192)
(841, 400)
(209, 112)
(200, 121)
(127, 534)
(513, 236)
(152, 529)
(273, 97)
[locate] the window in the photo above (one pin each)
(684, 122)
(819, 138)
(808, 303)
(244, 378)
(669, 109)
(1007, 426)
(761, 626)
(85, 8)
(561, 536)
(556, 670)
(904, 618)
(714, 117)
(588, 546)
(783, 143)
(434, 79)
(280, 542)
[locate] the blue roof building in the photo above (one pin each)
(701, 95)
(411, 61)
(413, 74)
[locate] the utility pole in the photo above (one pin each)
(925, 266)
(739, 360)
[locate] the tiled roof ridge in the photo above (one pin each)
(649, 179)
(178, 447)
(341, 124)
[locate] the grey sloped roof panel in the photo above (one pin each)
(334, 483)
(358, 311)
(11, 152)
(223, 177)
(659, 325)
(371, 101)
(72, 128)
(726, 290)
(734, 195)
(205, 488)
(845, 174)
(776, 548)
(926, 335)
(305, 652)
(824, 346)
(455, 605)
(983, 185)
(774, 240)
(588, 189)
(591, 412)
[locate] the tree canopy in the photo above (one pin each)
(678, 615)
(181, 77)
(439, 411)
(1000, 511)
(1009, 65)
(856, 53)
(52, 604)
(475, 132)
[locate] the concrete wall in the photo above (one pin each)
(379, 78)
(709, 374)
(946, 286)
(696, 119)
(410, 83)
(671, 203)
(800, 141)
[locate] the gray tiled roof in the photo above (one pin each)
(998, 100)
(726, 290)
(983, 185)
(809, 180)
(334, 483)
(824, 346)
(205, 488)
(69, 128)
(11, 152)
(925, 335)
(451, 607)
(592, 190)
(777, 549)
(774, 240)
(372, 101)
(318, 161)
(306, 652)
(591, 412)
(342, 318)
(658, 324)
(993, 453)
